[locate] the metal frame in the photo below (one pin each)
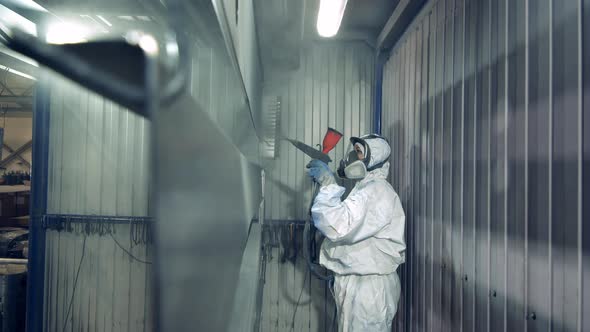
(36, 266)
(380, 60)
(402, 16)
(16, 154)
(58, 221)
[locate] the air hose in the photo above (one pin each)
(308, 234)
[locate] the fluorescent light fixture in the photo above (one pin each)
(330, 16)
(16, 72)
(66, 33)
(25, 4)
(10, 20)
(104, 20)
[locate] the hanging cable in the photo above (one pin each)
(298, 302)
(127, 251)
(75, 284)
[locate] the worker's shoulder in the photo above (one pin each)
(381, 187)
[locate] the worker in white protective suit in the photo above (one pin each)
(364, 242)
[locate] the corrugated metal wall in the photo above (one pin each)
(333, 87)
(98, 165)
(486, 103)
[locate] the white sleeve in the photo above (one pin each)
(345, 220)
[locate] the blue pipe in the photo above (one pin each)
(36, 264)
(379, 61)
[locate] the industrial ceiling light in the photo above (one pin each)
(330, 16)
(66, 33)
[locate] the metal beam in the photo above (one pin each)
(28, 91)
(5, 87)
(16, 154)
(36, 254)
(16, 99)
(16, 112)
(19, 157)
(14, 63)
(397, 23)
(16, 261)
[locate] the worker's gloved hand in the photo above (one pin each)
(320, 172)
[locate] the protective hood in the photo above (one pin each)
(376, 151)
(379, 151)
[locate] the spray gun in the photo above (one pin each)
(330, 140)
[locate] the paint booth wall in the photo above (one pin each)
(97, 274)
(487, 104)
(333, 87)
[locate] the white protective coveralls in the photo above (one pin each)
(364, 245)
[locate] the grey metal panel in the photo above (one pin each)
(498, 170)
(585, 110)
(504, 162)
(415, 115)
(565, 177)
(482, 173)
(516, 167)
(332, 87)
(244, 308)
(461, 242)
(447, 155)
(429, 234)
(423, 132)
(438, 115)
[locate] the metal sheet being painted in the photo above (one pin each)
(97, 274)
(487, 105)
(331, 88)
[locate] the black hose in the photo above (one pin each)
(313, 267)
(307, 234)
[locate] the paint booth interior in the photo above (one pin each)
(154, 158)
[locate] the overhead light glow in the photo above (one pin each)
(66, 33)
(330, 16)
(148, 44)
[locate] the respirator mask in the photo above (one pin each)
(354, 168)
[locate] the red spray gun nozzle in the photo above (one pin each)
(331, 138)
